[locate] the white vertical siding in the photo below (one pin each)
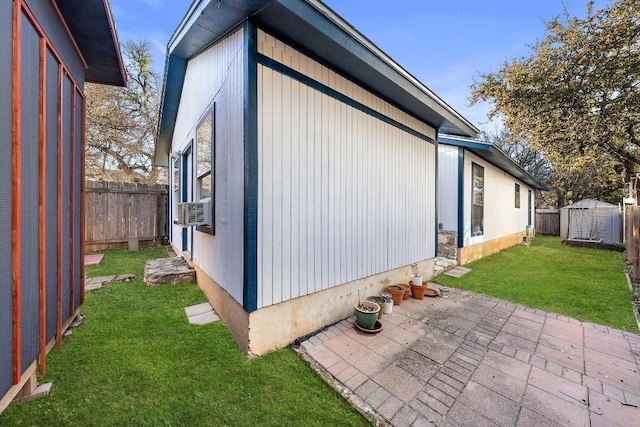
(342, 195)
(501, 217)
(275, 49)
(217, 75)
(448, 187)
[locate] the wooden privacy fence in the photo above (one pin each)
(548, 221)
(119, 213)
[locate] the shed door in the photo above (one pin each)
(594, 224)
(580, 224)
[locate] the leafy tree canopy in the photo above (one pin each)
(122, 122)
(576, 98)
(588, 177)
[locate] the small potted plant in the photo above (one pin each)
(366, 314)
(397, 293)
(416, 279)
(406, 288)
(417, 287)
(418, 291)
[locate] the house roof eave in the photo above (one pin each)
(93, 29)
(317, 30)
(494, 155)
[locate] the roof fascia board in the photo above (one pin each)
(364, 41)
(176, 67)
(363, 48)
(318, 16)
(536, 183)
(116, 42)
(467, 143)
(187, 22)
(486, 150)
(511, 167)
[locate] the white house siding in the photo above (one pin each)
(448, 187)
(216, 75)
(501, 217)
(286, 55)
(342, 195)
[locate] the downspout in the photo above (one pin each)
(437, 194)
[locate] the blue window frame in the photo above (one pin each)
(529, 208)
(477, 200)
(205, 173)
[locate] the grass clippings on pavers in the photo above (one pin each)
(583, 283)
(136, 361)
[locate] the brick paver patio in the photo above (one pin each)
(470, 360)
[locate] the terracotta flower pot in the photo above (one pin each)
(418, 290)
(406, 288)
(366, 314)
(397, 293)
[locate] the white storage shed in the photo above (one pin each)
(591, 220)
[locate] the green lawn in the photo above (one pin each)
(586, 284)
(135, 361)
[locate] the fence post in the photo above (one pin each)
(636, 241)
(159, 231)
(628, 233)
(631, 241)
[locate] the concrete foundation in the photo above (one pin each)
(274, 327)
(481, 250)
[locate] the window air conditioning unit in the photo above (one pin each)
(194, 213)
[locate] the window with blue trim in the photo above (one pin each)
(529, 209)
(477, 200)
(204, 164)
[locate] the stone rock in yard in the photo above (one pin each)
(168, 271)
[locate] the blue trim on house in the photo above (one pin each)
(460, 197)
(191, 195)
(314, 84)
(467, 143)
(183, 192)
(175, 70)
(250, 286)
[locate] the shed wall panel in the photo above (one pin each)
(6, 313)
(594, 223)
(448, 187)
(501, 217)
(216, 75)
(50, 23)
(29, 231)
(275, 49)
(51, 194)
(342, 194)
(65, 186)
